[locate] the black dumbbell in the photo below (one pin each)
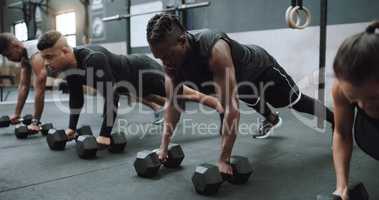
(147, 163)
(6, 122)
(357, 191)
(86, 146)
(22, 131)
(45, 128)
(207, 179)
(57, 139)
(118, 142)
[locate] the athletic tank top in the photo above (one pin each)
(249, 61)
(366, 132)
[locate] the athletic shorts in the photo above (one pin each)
(273, 86)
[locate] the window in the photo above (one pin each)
(138, 23)
(66, 24)
(21, 31)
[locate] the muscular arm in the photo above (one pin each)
(223, 69)
(39, 85)
(342, 137)
(172, 113)
(23, 87)
(190, 94)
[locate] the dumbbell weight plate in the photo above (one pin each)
(206, 179)
(147, 164)
(4, 121)
(21, 131)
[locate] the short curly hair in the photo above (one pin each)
(162, 26)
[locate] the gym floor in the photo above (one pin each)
(295, 163)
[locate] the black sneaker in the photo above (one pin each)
(266, 127)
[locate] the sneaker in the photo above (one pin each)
(158, 117)
(266, 127)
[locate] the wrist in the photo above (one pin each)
(224, 158)
(223, 161)
(165, 142)
(341, 188)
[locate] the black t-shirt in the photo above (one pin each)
(100, 69)
(249, 61)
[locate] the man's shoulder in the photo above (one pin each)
(206, 39)
(208, 34)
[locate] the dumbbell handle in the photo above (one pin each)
(157, 151)
(20, 120)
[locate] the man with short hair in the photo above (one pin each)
(30, 61)
(111, 75)
(215, 63)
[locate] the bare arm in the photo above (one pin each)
(39, 85)
(23, 87)
(190, 94)
(342, 137)
(172, 113)
(223, 69)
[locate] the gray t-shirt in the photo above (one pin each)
(31, 48)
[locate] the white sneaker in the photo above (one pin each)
(266, 128)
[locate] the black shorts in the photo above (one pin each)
(273, 86)
(366, 132)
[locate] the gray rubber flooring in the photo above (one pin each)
(295, 163)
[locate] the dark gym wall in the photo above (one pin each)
(225, 15)
(248, 15)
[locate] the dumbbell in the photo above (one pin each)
(357, 191)
(22, 131)
(86, 144)
(207, 179)
(57, 139)
(118, 142)
(5, 121)
(147, 163)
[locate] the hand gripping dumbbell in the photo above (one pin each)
(86, 145)
(5, 121)
(21, 131)
(207, 179)
(147, 163)
(356, 191)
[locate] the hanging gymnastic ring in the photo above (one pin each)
(295, 13)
